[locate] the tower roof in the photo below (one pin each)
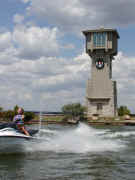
(101, 30)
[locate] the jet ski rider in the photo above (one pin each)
(19, 121)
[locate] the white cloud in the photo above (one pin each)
(18, 19)
(8, 56)
(5, 40)
(51, 82)
(34, 42)
(124, 73)
(7, 50)
(75, 15)
(27, 82)
(58, 79)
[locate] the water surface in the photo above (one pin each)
(73, 153)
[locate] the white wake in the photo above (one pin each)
(81, 139)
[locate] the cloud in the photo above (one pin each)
(35, 69)
(5, 41)
(8, 56)
(7, 50)
(33, 42)
(124, 73)
(18, 19)
(75, 15)
(30, 43)
(47, 81)
(50, 82)
(27, 82)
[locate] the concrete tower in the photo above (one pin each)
(101, 96)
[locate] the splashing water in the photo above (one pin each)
(40, 123)
(121, 134)
(81, 139)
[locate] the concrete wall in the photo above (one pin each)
(101, 90)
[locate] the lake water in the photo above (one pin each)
(77, 152)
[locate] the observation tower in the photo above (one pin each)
(101, 93)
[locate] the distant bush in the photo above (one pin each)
(8, 115)
(123, 110)
(73, 111)
(28, 116)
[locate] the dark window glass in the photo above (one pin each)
(99, 39)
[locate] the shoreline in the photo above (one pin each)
(101, 122)
(90, 122)
(113, 123)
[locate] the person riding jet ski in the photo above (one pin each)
(18, 120)
(18, 124)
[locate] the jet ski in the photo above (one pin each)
(12, 140)
(10, 130)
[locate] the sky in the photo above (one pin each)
(43, 64)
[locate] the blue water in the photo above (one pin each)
(73, 153)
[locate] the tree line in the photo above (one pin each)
(77, 110)
(8, 115)
(71, 111)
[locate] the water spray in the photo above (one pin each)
(40, 123)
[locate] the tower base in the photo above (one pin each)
(103, 106)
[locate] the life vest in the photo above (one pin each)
(18, 119)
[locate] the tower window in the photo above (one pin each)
(99, 107)
(110, 36)
(99, 39)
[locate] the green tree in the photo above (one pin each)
(28, 116)
(74, 110)
(8, 115)
(1, 113)
(16, 109)
(1, 109)
(123, 110)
